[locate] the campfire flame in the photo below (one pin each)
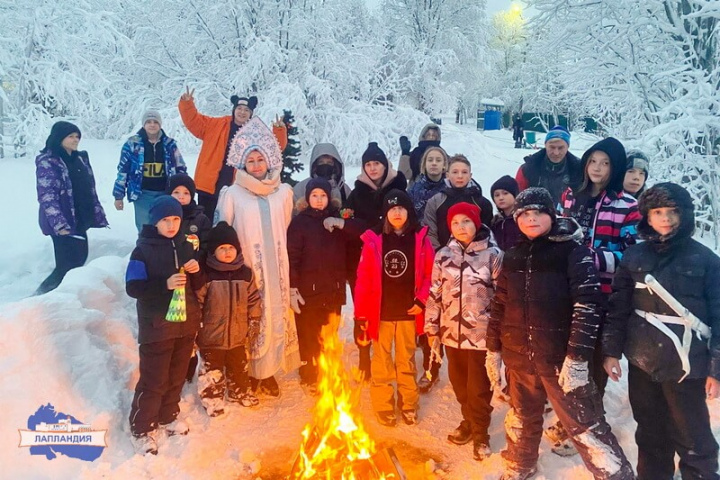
(335, 443)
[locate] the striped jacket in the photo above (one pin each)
(614, 228)
(132, 159)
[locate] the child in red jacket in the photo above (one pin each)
(393, 284)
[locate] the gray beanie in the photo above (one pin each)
(151, 115)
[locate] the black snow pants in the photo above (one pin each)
(70, 252)
(223, 369)
(468, 377)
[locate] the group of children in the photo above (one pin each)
(528, 288)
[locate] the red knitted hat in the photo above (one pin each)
(472, 212)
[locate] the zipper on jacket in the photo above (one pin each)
(462, 267)
(528, 264)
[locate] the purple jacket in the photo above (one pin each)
(507, 234)
(55, 195)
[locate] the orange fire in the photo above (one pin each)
(335, 443)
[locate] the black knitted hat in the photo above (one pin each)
(58, 132)
(534, 198)
(181, 179)
(222, 234)
(318, 182)
(507, 183)
(374, 153)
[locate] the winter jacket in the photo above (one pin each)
(691, 273)
(614, 229)
(340, 189)
(366, 199)
(214, 133)
(55, 195)
(132, 159)
(534, 174)
(506, 232)
(409, 165)
(368, 289)
(229, 301)
(548, 302)
(463, 283)
(318, 258)
(155, 259)
(423, 190)
(438, 206)
(196, 225)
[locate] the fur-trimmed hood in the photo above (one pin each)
(667, 194)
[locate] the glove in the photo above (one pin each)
(573, 374)
(332, 223)
(296, 300)
(360, 333)
(493, 362)
(405, 145)
(434, 342)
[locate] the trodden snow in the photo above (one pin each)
(76, 349)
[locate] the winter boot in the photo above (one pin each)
(426, 382)
(246, 399)
(410, 417)
(387, 419)
(462, 434)
(176, 427)
(269, 386)
(213, 406)
(558, 436)
(481, 449)
(516, 473)
(145, 443)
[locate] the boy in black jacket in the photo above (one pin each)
(672, 370)
(231, 311)
(544, 318)
(153, 273)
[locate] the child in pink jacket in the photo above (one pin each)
(393, 284)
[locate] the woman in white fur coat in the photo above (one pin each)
(259, 207)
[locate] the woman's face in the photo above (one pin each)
(434, 164)
(374, 170)
(70, 143)
(256, 165)
(598, 168)
(459, 174)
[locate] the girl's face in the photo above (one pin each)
(598, 168)
(664, 220)
(226, 253)
(431, 134)
(634, 180)
(434, 164)
(70, 143)
(503, 199)
(256, 165)
(459, 174)
(374, 170)
(318, 199)
(169, 226)
(397, 216)
(463, 229)
(534, 223)
(182, 195)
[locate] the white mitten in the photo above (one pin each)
(493, 363)
(331, 223)
(573, 374)
(296, 300)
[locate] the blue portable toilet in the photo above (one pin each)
(491, 110)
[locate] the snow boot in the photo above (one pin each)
(558, 436)
(410, 417)
(269, 386)
(462, 434)
(176, 427)
(425, 384)
(213, 406)
(246, 399)
(387, 419)
(145, 443)
(481, 449)
(514, 473)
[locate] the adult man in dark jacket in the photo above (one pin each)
(544, 319)
(553, 168)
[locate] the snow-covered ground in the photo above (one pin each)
(76, 348)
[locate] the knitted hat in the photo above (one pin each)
(164, 206)
(468, 209)
(667, 194)
(181, 179)
(318, 182)
(637, 159)
(373, 153)
(534, 198)
(507, 183)
(222, 234)
(399, 198)
(58, 132)
(250, 102)
(151, 115)
(558, 131)
(618, 161)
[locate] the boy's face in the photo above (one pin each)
(463, 228)
(318, 199)
(169, 226)
(152, 127)
(182, 195)
(397, 216)
(459, 175)
(634, 180)
(664, 220)
(534, 223)
(503, 199)
(226, 253)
